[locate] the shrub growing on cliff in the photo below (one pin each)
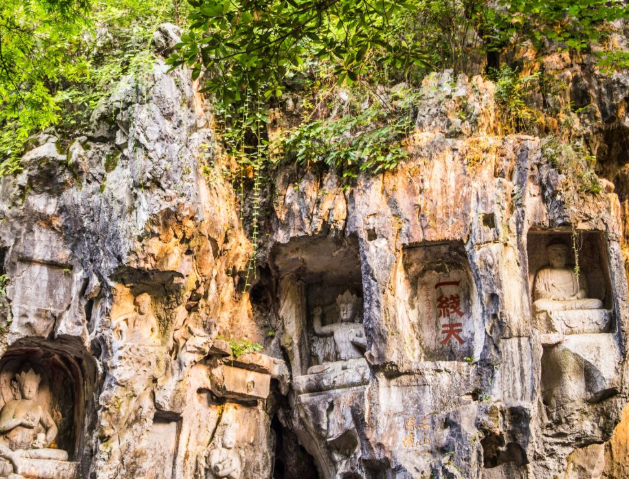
(366, 138)
(511, 89)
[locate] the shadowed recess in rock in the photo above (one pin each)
(292, 461)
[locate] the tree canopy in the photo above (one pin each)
(35, 53)
(255, 44)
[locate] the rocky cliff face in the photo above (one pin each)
(402, 332)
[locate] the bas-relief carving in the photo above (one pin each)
(193, 345)
(27, 429)
(140, 327)
(579, 361)
(222, 459)
(348, 334)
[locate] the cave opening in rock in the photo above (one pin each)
(496, 452)
(263, 299)
(292, 461)
(3, 255)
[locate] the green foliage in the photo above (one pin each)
(575, 24)
(240, 347)
(111, 161)
(37, 51)
(4, 281)
(254, 45)
(59, 58)
(576, 164)
(452, 31)
(510, 97)
(610, 61)
(368, 140)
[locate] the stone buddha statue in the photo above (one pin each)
(140, 327)
(561, 305)
(558, 288)
(26, 428)
(349, 335)
(578, 362)
(224, 460)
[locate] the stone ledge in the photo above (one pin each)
(48, 469)
(236, 383)
(254, 362)
(334, 378)
(577, 321)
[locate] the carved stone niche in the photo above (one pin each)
(158, 451)
(439, 296)
(321, 307)
(572, 311)
(45, 385)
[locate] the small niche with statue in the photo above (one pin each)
(321, 298)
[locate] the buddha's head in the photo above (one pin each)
(229, 437)
(348, 304)
(557, 252)
(28, 383)
(143, 303)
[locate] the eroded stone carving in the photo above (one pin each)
(26, 428)
(222, 460)
(194, 345)
(349, 336)
(580, 361)
(140, 327)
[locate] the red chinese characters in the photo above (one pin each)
(449, 308)
(452, 330)
(449, 305)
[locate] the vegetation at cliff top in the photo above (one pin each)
(59, 58)
(251, 53)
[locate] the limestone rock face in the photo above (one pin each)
(126, 258)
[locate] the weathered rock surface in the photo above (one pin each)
(126, 256)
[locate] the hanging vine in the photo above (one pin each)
(577, 244)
